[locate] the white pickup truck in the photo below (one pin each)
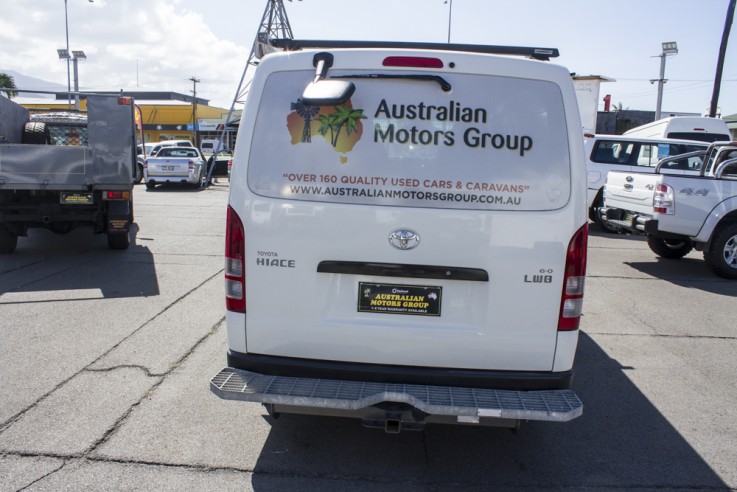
(679, 213)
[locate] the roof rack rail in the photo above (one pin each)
(532, 52)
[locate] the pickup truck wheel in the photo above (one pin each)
(722, 253)
(118, 240)
(150, 185)
(8, 240)
(36, 132)
(669, 248)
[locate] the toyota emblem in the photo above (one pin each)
(404, 239)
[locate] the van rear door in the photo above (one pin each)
(424, 222)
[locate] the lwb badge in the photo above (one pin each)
(404, 239)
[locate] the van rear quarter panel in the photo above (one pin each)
(506, 323)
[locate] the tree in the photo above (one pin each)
(7, 84)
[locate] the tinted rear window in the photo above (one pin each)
(701, 137)
(490, 143)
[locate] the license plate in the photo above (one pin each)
(167, 168)
(399, 299)
(76, 199)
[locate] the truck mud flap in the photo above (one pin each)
(467, 405)
(118, 215)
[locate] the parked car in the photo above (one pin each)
(606, 153)
(173, 164)
(150, 149)
(142, 151)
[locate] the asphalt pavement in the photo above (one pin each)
(106, 358)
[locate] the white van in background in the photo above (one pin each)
(406, 237)
(702, 129)
(212, 146)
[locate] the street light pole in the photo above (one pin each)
(669, 48)
(69, 76)
(76, 56)
(450, 16)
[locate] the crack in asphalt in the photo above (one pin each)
(118, 423)
(10, 421)
(42, 477)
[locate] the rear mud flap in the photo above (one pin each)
(118, 216)
(464, 405)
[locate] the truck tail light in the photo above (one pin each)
(571, 303)
(235, 253)
(145, 164)
(664, 199)
(191, 165)
(116, 195)
(125, 101)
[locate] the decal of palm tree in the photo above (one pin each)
(344, 116)
(306, 112)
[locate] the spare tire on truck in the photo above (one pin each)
(36, 132)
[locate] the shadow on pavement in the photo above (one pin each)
(621, 441)
(79, 261)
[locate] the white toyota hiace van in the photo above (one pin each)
(406, 237)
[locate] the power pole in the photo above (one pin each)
(720, 62)
(194, 81)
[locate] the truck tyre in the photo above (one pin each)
(722, 253)
(139, 173)
(118, 240)
(669, 248)
(8, 240)
(150, 185)
(36, 133)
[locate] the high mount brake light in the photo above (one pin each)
(571, 303)
(412, 61)
(235, 252)
(125, 101)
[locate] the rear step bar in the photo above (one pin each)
(466, 405)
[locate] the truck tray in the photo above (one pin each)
(468, 404)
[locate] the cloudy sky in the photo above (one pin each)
(160, 44)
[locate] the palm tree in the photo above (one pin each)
(7, 84)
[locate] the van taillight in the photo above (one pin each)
(571, 303)
(235, 274)
(413, 61)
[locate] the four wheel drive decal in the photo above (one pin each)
(340, 125)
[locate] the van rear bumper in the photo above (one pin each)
(395, 406)
(376, 373)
